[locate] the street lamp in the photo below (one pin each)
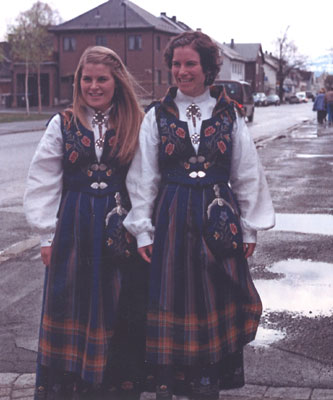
(123, 3)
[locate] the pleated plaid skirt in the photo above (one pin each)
(203, 307)
(80, 309)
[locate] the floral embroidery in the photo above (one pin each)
(180, 132)
(234, 245)
(227, 137)
(112, 140)
(216, 235)
(173, 125)
(78, 133)
(164, 138)
(109, 172)
(233, 229)
(206, 165)
(73, 156)
(85, 141)
(89, 173)
(109, 242)
(217, 123)
(187, 165)
(169, 148)
(68, 146)
(209, 131)
(221, 145)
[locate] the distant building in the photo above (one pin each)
(270, 69)
(254, 63)
(233, 66)
(5, 75)
(136, 35)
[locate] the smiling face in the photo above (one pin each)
(187, 70)
(97, 86)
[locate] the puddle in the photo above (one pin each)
(265, 337)
(320, 224)
(314, 155)
(306, 287)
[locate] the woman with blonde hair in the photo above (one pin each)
(94, 295)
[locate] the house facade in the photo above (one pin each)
(270, 70)
(137, 36)
(254, 63)
(233, 66)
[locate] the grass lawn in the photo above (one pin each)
(14, 117)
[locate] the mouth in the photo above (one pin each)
(95, 95)
(185, 80)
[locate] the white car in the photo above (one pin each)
(302, 97)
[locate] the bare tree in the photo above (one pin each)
(31, 42)
(288, 58)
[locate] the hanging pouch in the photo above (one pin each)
(222, 231)
(120, 244)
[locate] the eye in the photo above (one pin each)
(102, 79)
(86, 79)
(175, 64)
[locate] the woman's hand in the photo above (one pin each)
(248, 249)
(45, 253)
(145, 252)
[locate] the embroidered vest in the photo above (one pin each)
(82, 171)
(177, 158)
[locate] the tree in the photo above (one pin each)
(287, 58)
(329, 82)
(31, 42)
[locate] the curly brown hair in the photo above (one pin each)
(210, 55)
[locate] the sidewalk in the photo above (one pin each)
(21, 387)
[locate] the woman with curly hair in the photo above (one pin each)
(198, 196)
(91, 341)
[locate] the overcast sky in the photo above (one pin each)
(246, 21)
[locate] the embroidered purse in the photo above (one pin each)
(222, 231)
(120, 244)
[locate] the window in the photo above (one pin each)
(135, 42)
(158, 43)
(101, 41)
(159, 76)
(69, 44)
(169, 78)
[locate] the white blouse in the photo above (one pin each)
(247, 178)
(44, 183)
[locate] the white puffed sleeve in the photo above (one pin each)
(249, 184)
(142, 182)
(44, 184)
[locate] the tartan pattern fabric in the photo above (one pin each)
(203, 306)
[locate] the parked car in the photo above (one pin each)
(302, 97)
(241, 92)
(260, 99)
(293, 99)
(273, 99)
(310, 95)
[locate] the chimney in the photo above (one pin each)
(163, 14)
(232, 44)
(198, 29)
(174, 19)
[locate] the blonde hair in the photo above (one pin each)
(126, 114)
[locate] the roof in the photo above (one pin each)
(230, 53)
(248, 50)
(111, 15)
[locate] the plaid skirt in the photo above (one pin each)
(82, 308)
(203, 307)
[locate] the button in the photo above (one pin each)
(94, 167)
(201, 158)
(192, 160)
(193, 174)
(104, 185)
(95, 185)
(201, 174)
(103, 167)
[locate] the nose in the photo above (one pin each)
(182, 69)
(94, 83)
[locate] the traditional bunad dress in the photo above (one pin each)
(74, 183)
(198, 192)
